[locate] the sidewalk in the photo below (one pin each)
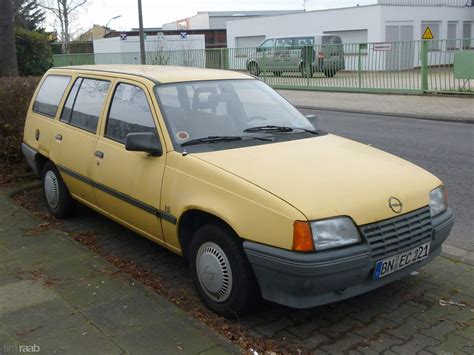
(446, 108)
(58, 296)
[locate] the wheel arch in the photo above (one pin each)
(191, 220)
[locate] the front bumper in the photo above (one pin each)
(303, 280)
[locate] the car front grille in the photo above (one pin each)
(395, 235)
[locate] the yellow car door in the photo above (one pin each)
(75, 135)
(127, 183)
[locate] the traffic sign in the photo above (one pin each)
(427, 34)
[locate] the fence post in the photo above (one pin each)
(221, 51)
(359, 65)
(424, 65)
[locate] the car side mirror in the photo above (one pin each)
(147, 142)
(313, 120)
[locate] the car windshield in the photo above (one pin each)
(227, 108)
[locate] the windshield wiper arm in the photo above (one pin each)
(283, 129)
(211, 139)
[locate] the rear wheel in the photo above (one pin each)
(221, 272)
(56, 195)
(254, 69)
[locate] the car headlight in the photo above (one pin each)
(333, 233)
(438, 201)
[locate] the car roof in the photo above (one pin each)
(160, 73)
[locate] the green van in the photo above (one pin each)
(303, 54)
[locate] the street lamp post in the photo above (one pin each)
(107, 25)
(142, 37)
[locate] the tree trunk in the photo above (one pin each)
(8, 63)
(67, 38)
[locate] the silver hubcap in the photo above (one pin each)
(51, 189)
(214, 272)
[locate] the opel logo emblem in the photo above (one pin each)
(395, 204)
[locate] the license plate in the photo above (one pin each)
(397, 262)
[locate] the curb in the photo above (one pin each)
(452, 119)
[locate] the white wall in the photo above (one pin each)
(196, 22)
(311, 22)
(115, 51)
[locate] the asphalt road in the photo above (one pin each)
(443, 148)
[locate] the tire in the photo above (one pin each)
(56, 194)
(221, 273)
(254, 69)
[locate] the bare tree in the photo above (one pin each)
(63, 11)
(8, 63)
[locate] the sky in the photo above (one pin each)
(156, 13)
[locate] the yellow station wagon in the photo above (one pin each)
(216, 166)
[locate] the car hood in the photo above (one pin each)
(330, 176)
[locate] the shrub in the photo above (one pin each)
(33, 52)
(15, 97)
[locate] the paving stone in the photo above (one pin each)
(453, 344)
(338, 329)
(440, 330)
(376, 326)
(401, 313)
(216, 350)
(24, 293)
(270, 329)
(416, 344)
(168, 338)
(378, 344)
(348, 341)
(408, 329)
(307, 328)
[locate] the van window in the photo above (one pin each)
(87, 104)
(267, 44)
(67, 109)
(50, 94)
(284, 43)
(332, 40)
(304, 41)
(129, 113)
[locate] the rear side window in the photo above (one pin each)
(332, 40)
(84, 103)
(129, 113)
(50, 94)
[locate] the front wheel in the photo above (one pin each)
(221, 272)
(56, 194)
(254, 69)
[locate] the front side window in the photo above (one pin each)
(284, 43)
(84, 103)
(129, 113)
(226, 108)
(50, 94)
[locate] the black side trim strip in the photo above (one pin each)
(121, 196)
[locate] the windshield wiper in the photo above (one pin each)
(280, 129)
(215, 139)
(211, 139)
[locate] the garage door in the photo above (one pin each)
(249, 41)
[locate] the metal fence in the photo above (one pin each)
(434, 66)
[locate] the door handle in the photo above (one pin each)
(99, 154)
(58, 137)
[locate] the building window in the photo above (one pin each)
(468, 43)
(434, 44)
(452, 31)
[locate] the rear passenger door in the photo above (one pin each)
(75, 135)
(128, 184)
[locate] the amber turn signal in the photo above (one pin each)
(302, 237)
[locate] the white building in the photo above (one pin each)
(386, 21)
(159, 50)
(217, 20)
